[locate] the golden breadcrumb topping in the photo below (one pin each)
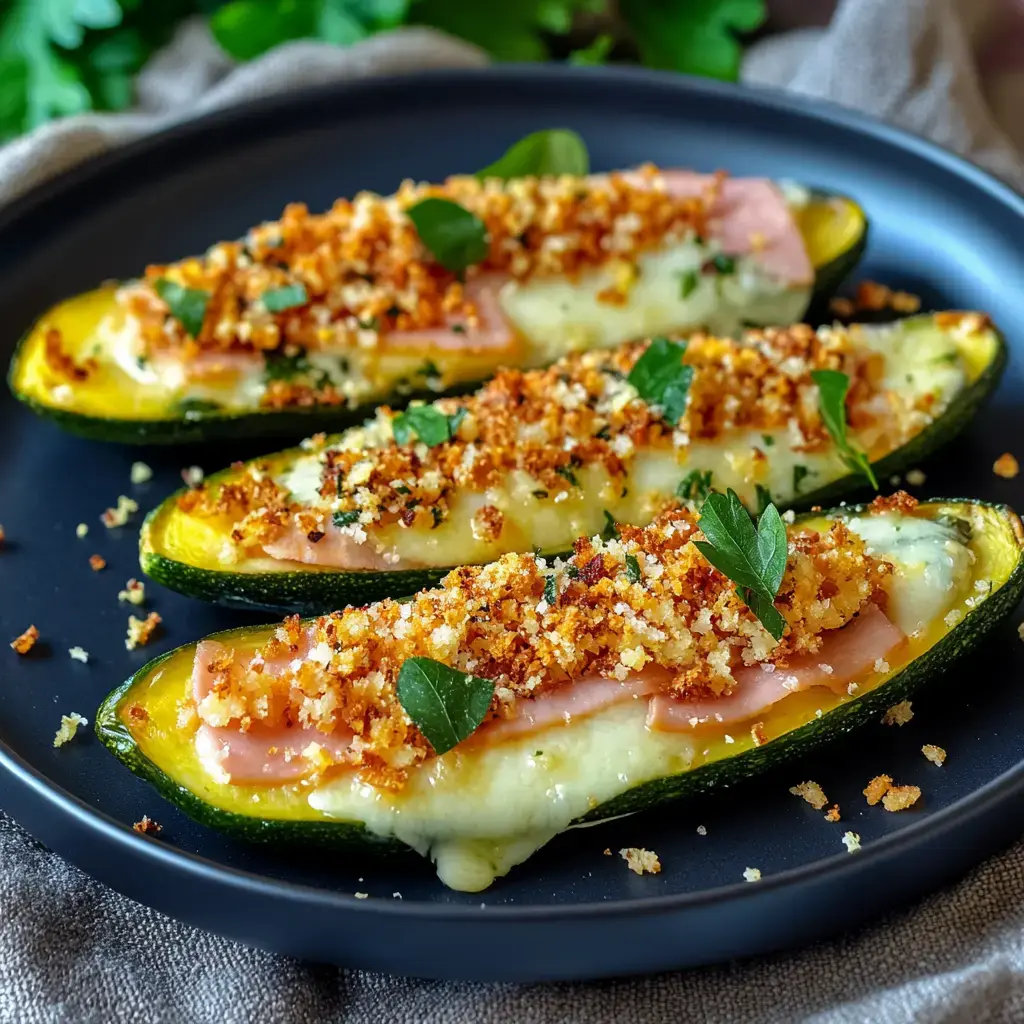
(832, 814)
(641, 861)
(935, 754)
(24, 643)
(363, 271)
(140, 631)
(140, 473)
(60, 363)
(97, 562)
(1006, 466)
(78, 654)
(134, 592)
(877, 788)
(874, 297)
(898, 714)
(812, 793)
(553, 424)
(68, 728)
(532, 627)
(147, 826)
(899, 798)
(126, 507)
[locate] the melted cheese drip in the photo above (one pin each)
(479, 812)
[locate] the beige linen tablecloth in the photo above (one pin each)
(72, 950)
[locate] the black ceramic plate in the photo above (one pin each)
(939, 227)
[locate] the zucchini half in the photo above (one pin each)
(985, 584)
(112, 405)
(185, 552)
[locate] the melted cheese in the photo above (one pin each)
(479, 812)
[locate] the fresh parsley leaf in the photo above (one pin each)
(688, 281)
(187, 305)
(551, 589)
(832, 389)
(290, 296)
(455, 420)
(552, 152)
(633, 573)
(345, 518)
(764, 498)
(724, 264)
(428, 423)
(753, 558)
(698, 37)
(800, 473)
(437, 515)
(593, 55)
(456, 238)
(540, 494)
(695, 486)
(661, 378)
(568, 474)
(611, 528)
(768, 440)
(284, 367)
(446, 705)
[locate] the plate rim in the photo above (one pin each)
(35, 784)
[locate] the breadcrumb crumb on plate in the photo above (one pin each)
(811, 792)
(899, 798)
(140, 631)
(24, 643)
(752, 874)
(140, 474)
(1006, 466)
(118, 516)
(134, 592)
(898, 714)
(833, 813)
(877, 788)
(147, 826)
(641, 861)
(79, 654)
(851, 840)
(916, 478)
(193, 476)
(934, 754)
(97, 563)
(81, 530)
(68, 728)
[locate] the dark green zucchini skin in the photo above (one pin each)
(311, 593)
(963, 638)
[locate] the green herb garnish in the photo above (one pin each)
(611, 528)
(446, 705)
(552, 152)
(633, 569)
(456, 418)
(768, 440)
(662, 379)
(753, 558)
(688, 281)
(724, 264)
(551, 589)
(345, 518)
(187, 305)
(832, 389)
(695, 486)
(540, 494)
(437, 515)
(192, 408)
(284, 367)
(456, 238)
(568, 474)
(764, 498)
(428, 423)
(290, 296)
(800, 473)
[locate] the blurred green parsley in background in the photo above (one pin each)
(61, 57)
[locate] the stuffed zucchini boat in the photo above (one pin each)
(480, 719)
(311, 320)
(536, 459)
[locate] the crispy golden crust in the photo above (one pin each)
(877, 788)
(62, 364)
(24, 643)
(366, 272)
(533, 627)
(899, 798)
(147, 826)
(1006, 466)
(97, 562)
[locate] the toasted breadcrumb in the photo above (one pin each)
(81, 530)
(193, 476)
(758, 735)
(898, 714)
(361, 895)
(147, 826)
(877, 788)
(841, 306)
(899, 798)
(832, 814)
(916, 478)
(1006, 466)
(97, 562)
(140, 631)
(118, 516)
(24, 643)
(812, 793)
(934, 754)
(701, 830)
(752, 874)
(134, 592)
(140, 473)
(640, 861)
(851, 840)
(68, 728)
(79, 654)
(607, 852)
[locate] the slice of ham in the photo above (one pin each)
(849, 652)
(335, 549)
(264, 753)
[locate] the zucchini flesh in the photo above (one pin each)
(185, 552)
(153, 746)
(112, 404)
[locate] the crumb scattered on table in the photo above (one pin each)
(361, 895)
(701, 830)
(24, 643)
(193, 476)
(68, 728)
(81, 530)
(851, 840)
(811, 792)
(934, 754)
(898, 714)
(140, 631)
(140, 473)
(832, 814)
(640, 861)
(752, 874)
(1006, 466)
(877, 788)
(79, 654)
(134, 592)
(97, 562)
(119, 516)
(147, 826)
(899, 798)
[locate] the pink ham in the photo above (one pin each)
(849, 652)
(494, 333)
(208, 367)
(751, 217)
(263, 753)
(335, 549)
